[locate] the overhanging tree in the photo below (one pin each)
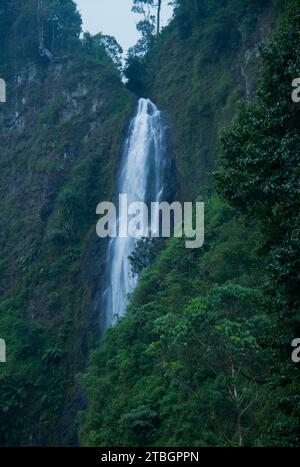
(151, 10)
(259, 174)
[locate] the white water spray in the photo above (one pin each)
(141, 177)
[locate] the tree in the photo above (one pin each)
(222, 333)
(113, 50)
(49, 28)
(159, 4)
(134, 72)
(101, 45)
(260, 162)
(59, 23)
(144, 254)
(259, 174)
(151, 10)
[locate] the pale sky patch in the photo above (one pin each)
(114, 18)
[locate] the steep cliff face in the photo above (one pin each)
(204, 62)
(61, 131)
(190, 364)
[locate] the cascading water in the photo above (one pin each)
(142, 178)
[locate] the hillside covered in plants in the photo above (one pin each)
(203, 357)
(203, 354)
(61, 133)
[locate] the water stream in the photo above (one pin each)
(142, 176)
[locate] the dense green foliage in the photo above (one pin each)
(259, 174)
(203, 357)
(259, 167)
(60, 139)
(194, 333)
(196, 70)
(32, 25)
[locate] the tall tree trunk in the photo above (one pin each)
(44, 52)
(158, 16)
(235, 397)
(40, 24)
(239, 431)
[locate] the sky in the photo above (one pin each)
(114, 18)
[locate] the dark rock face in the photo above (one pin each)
(61, 131)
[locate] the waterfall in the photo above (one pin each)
(141, 176)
